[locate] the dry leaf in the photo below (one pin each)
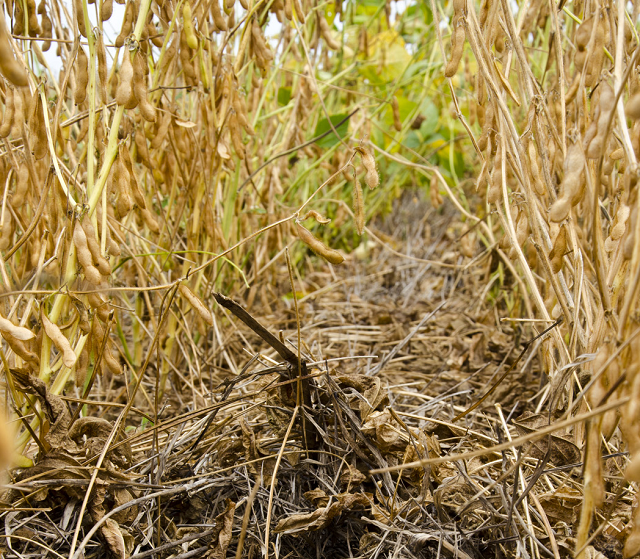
(563, 452)
(311, 521)
(222, 535)
(110, 531)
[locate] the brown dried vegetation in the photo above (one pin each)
(146, 173)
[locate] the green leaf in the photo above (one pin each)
(368, 8)
(405, 106)
(284, 96)
(387, 58)
(431, 116)
(414, 10)
(413, 140)
(330, 13)
(330, 139)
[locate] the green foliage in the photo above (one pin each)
(323, 126)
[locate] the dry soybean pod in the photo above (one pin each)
(241, 111)
(21, 349)
(556, 255)
(124, 93)
(372, 178)
(134, 187)
(18, 18)
(99, 305)
(632, 108)
(80, 17)
(236, 136)
(127, 24)
(18, 113)
(141, 147)
(84, 255)
(152, 33)
(163, 129)
(112, 363)
(140, 68)
(9, 110)
(10, 68)
(57, 337)
(82, 76)
(457, 47)
(397, 123)
(618, 228)
(616, 154)
(149, 219)
(316, 245)
(571, 186)
(6, 229)
(299, 11)
(101, 55)
(434, 192)
(538, 182)
(112, 247)
(358, 204)
(605, 106)
(106, 9)
(522, 228)
(121, 186)
(47, 31)
(560, 209)
(18, 332)
(325, 31)
(100, 262)
(197, 304)
(187, 19)
(620, 221)
(22, 186)
(219, 21)
(487, 125)
(97, 338)
(40, 146)
(82, 365)
(260, 43)
(186, 56)
(34, 25)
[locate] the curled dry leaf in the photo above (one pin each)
(223, 529)
(317, 216)
(310, 521)
(111, 533)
